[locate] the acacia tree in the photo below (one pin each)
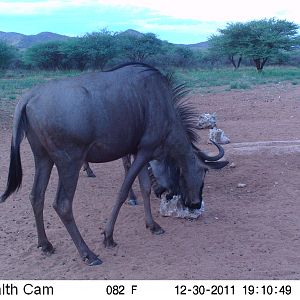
(138, 48)
(266, 38)
(100, 47)
(181, 56)
(45, 55)
(230, 43)
(75, 54)
(258, 40)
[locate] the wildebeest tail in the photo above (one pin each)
(15, 168)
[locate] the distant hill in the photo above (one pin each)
(23, 41)
(131, 32)
(201, 46)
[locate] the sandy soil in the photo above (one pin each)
(245, 233)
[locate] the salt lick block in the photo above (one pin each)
(218, 136)
(174, 208)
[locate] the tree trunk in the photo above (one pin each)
(263, 62)
(259, 63)
(232, 60)
(239, 61)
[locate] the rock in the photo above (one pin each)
(207, 121)
(174, 208)
(232, 165)
(218, 136)
(241, 185)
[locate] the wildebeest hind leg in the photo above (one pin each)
(68, 177)
(88, 170)
(141, 159)
(145, 184)
(43, 167)
(127, 164)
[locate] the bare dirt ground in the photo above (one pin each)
(245, 233)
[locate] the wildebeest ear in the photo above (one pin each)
(216, 164)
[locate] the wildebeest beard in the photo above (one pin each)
(175, 186)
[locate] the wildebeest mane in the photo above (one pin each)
(184, 109)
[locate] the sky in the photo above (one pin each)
(181, 22)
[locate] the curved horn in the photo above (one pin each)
(204, 156)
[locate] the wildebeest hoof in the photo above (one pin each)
(109, 241)
(47, 248)
(96, 262)
(92, 260)
(155, 229)
(132, 202)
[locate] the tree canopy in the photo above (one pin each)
(99, 47)
(139, 48)
(258, 40)
(230, 42)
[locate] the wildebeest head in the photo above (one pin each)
(168, 176)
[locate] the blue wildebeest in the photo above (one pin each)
(100, 117)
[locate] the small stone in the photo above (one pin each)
(207, 121)
(241, 185)
(232, 165)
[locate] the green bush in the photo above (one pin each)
(7, 55)
(98, 48)
(47, 56)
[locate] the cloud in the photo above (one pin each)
(180, 26)
(28, 7)
(34, 7)
(212, 10)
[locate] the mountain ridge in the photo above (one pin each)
(23, 41)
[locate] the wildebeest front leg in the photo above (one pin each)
(127, 164)
(141, 159)
(68, 177)
(43, 167)
(145, 184)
